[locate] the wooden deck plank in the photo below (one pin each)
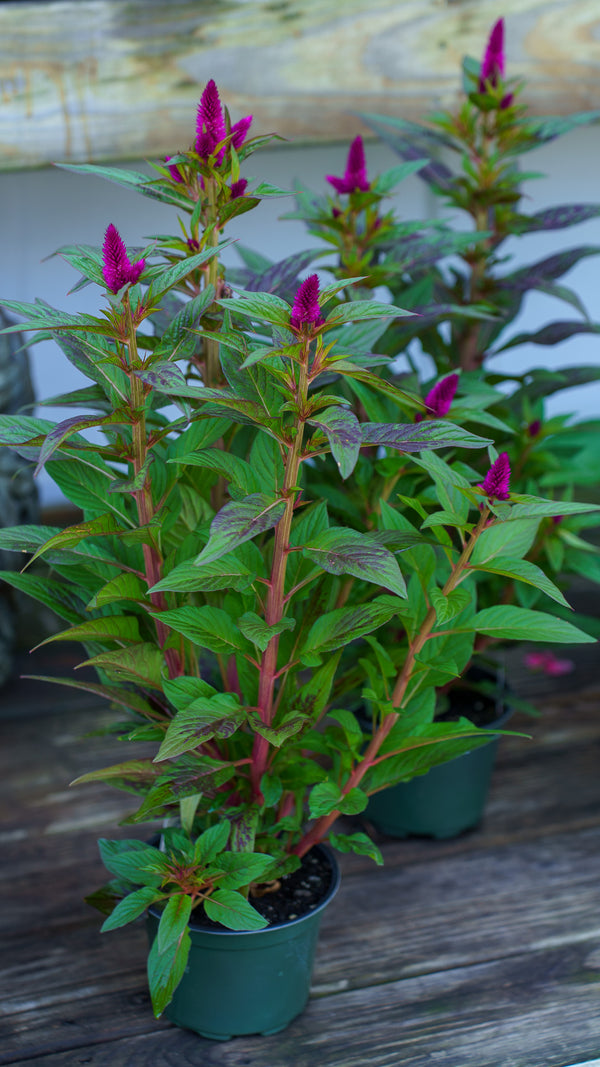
(529, 898)
(467, 1016)
(479, 952)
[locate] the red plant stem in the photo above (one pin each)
(143, 496)
(322, 826)
(276, 600)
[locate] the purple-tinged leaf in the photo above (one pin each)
(547, 269)
(551, 126)
(342, 430)
(66, 429)
(552, 334)
(346, 551)
(239, 521)
(206, 717)
(282, 278)
(421, 435)
(263, 306)
(164, 376)
(559, 217)
(338, 627)
(142, 664)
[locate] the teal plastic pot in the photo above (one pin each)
(443, 803)
(253, 982)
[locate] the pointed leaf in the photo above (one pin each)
(130, 908)
(240, 521)
(342, 429)
(206, 626)
(505, 622)
(205, 718)
(257, 630)
(345, 551)
(232, 910)
(415, 437)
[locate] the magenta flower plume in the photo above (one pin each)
(495, 483)
(238, 188)
(355, 175)
(439, 399)
(210, 124)
(239, 131)
(306, 310)
(117, 268)
(492, 64)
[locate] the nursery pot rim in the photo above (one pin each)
(336, 877)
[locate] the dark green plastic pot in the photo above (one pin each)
(253, 982)
(443, 803)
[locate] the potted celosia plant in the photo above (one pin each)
(216, 603)
(464, 313)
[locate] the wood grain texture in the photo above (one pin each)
(479, 952)
(120, 79)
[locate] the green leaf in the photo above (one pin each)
(505, 622)
(141, 664)
(206, 717)
(359, 843)
(242, 868)
(143, 865)
(264, 306)
(446, 607)
(72, 536)
(278, 735)
(130, 908)
(58, 596)
(232, 910)
(239, 521)
(165, 971)
(346, 551)
(512, 539)
(233, 468)
(173, 921)
(358, 310)
(326, 797)
(211, 842)
(339, 627)
(108, 628)
(257, 630)
(342, 430)
(415, 437)
(224, 573)
(125, 586)
(524, 507)
(524, 571)
(206, 626)
(161, 280)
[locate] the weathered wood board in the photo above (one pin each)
(120, 79)
(479, 952)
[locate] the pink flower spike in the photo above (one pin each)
(210, 124)
(495, 483)
(439, 399)
(306, 310)
(239, 131)
(117, 269)
(492, 65)
(238, 188)
(355, 175)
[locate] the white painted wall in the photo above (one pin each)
(40, 210)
